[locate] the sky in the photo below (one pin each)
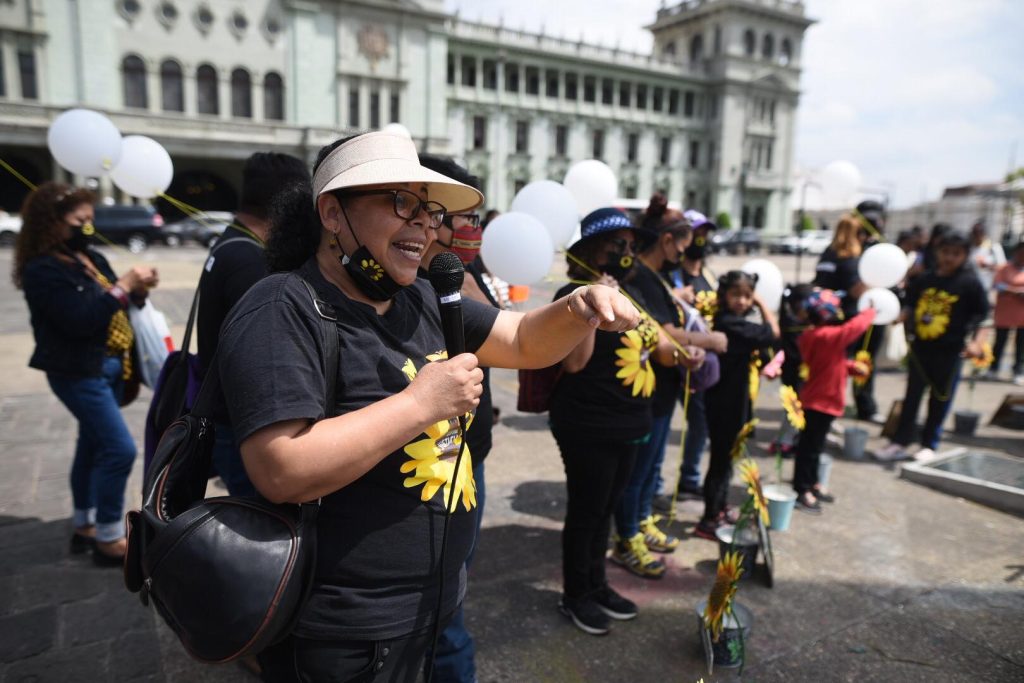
(918, 94)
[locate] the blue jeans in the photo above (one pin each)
(105, 450)
(227, 463)
(696, 441)
(643, 478)
(455, 661)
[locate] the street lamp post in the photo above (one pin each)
(800, 225)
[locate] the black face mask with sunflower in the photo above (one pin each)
(620, 261)
(369, 276)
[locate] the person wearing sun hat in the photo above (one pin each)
(600, 412)
(380, 455)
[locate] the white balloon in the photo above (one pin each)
(396, 129)
(593, 184)
(882, 265)
(517, 248)
(84, 142)
(769, 281)
(551, 204)
(145, 169)
(840, 181)
(886, 304)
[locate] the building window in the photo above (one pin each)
(694, 153)
(490, 74)
(353, 104)
(532, 80)
(786, 52)
(561, 140)
(768, 46)
(517, 186)
(607, 91)
(624, 95)
(657, 98)
(451, 69)
(395, 113)
(589, 89)
(207, 101)
(630, 191)
(511, 78)
(479, 132)
(670, 49)
(697, 48)
(688, 104)
(27, 74)
(691, 199)
(717, 44)
(665, 153)
(374, 109)
(713, 106)
(522, 137)
(759, 217)
(133, 73)
(570, 86)
(551, 86)
(3, 80)
(711, 156)
(598, 144)
(273, 97)
(749, 42)
(172, 94)
(745, 216)
(469, 71)
(673, 102)
(641, 96)
(768, 155)
(632, 146)
(771, 112)
(241, 94)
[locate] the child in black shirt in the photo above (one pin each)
(944, 307)
(728, 402)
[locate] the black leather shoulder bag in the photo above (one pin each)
(229, 575)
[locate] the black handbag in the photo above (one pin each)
(228, 575)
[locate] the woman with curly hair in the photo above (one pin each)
(84, 345)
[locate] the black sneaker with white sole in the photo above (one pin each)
(588, 616)
(614, 605)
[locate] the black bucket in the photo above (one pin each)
(965, 422)
(729, 649)
(746, 546)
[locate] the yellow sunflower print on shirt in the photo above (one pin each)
(706, 303)
(635, 358)
(432, 458)
(932, 313)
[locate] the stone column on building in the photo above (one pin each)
(154, 93)
(256, 92)
(189, 88)
(224, 92)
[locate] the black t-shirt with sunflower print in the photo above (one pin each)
(944, 310)
(379, 537)
(611, 397)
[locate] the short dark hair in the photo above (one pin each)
(954, 238)
(264, 175)
(447, 167)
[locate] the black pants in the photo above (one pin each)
(939, 373)
(808, 450)
(303, 660)
(864, 396)
(724, 423)
(596, 473)
(1002, 336)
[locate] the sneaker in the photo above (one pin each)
(614, 605)
(656, 539)
(662, 503)
(891, 453)
(924, 455)
(691, 491)
(706, 529)
(1018, 380)
(586, 613)
(808, 503)
(824, 496)
(632, 553)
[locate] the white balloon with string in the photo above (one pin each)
(517, 248)
(84, 142)
(882, 265)
(885, 303)
(770, 283)
(145, 170)
(593, 184)
(553, 205)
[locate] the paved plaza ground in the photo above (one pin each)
(895, 582)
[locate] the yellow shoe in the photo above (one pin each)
(656, 539)
(632, 553)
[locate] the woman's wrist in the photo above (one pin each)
(118, 293)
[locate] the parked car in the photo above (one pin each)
(10, 226)
(736, 241)
(205, 228)
(809, 242)
(787, 244)
(134, 226)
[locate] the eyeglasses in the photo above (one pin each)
(622, 245)
(408, 205)
(472, 220)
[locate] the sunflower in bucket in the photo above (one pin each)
(750, 475)
(720, 599)
(984, 362)
(861, 367)
(794, 409)
(739, 446)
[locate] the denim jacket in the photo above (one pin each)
(70, 314)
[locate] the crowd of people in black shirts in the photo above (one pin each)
(642, 324)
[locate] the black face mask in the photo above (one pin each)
(695, 252)
(79, 240)
(368, 274)
(619, 265)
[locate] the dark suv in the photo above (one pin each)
(134, 226)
